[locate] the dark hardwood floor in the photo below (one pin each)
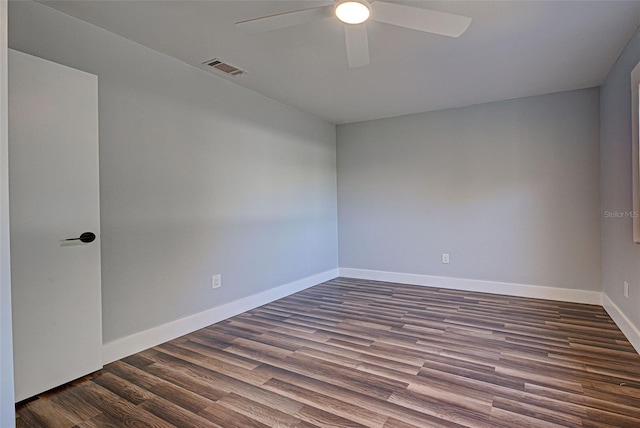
(354, 353)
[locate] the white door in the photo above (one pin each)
(54, 195)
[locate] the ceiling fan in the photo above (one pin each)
(355, 13)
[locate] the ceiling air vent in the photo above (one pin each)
(224, 67)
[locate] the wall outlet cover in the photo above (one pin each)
(216, 281)
(626, 289)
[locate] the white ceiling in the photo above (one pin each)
(512, 49)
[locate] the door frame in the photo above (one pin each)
(7, 408)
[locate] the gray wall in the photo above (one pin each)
(7, 416)
(620, 256)
(509, 189)
(198, 177)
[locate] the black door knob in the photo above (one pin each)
(86, 237)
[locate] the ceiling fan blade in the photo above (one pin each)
(357, 45)
(284, 20)
(429, 21)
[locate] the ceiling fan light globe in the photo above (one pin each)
(353, 11)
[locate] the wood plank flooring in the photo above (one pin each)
(354, 353)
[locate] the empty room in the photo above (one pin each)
(302, 213)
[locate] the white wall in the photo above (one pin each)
(509, 189)
(7, 416)
(198, 177)
(620, 256)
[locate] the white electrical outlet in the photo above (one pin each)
(626, 289)
(216, 281)
(445, 258)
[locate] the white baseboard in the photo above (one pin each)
(624, 324)
(505, 288)
(137, 342)
(130, 345)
